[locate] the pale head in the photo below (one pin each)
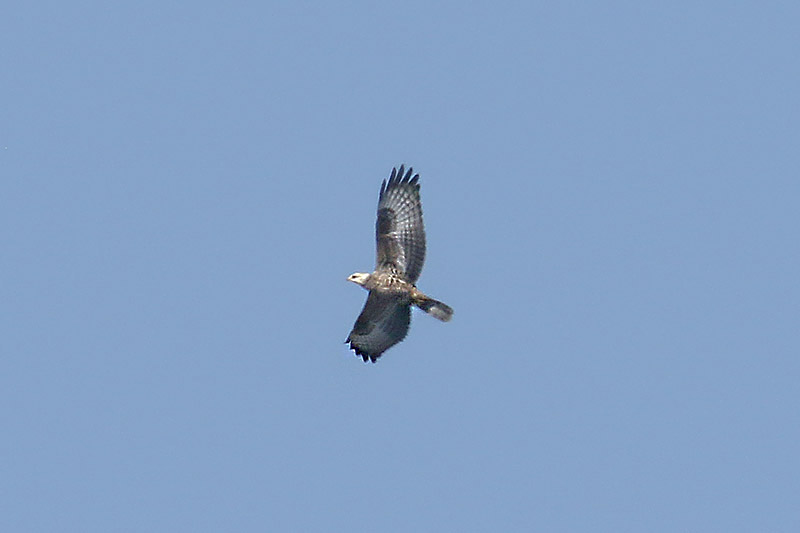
(359, 278)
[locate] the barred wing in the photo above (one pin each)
(399, 230)
(382, 323)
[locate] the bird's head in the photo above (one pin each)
(359, 278)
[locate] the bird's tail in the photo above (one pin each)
(435, 308)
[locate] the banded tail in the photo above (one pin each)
(435, 308)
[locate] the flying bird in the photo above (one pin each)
(400, 237)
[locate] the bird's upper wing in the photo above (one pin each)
(399, 230)
(382, 323)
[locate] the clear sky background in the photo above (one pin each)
(611, 197)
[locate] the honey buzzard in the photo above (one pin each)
(400, 236)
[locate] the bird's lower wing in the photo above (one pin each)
(382, 323)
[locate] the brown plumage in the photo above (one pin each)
(400, 239)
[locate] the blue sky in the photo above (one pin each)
(611, 199)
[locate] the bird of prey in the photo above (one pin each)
(400, 236)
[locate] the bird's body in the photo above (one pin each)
(390, 283)
(400, 236)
